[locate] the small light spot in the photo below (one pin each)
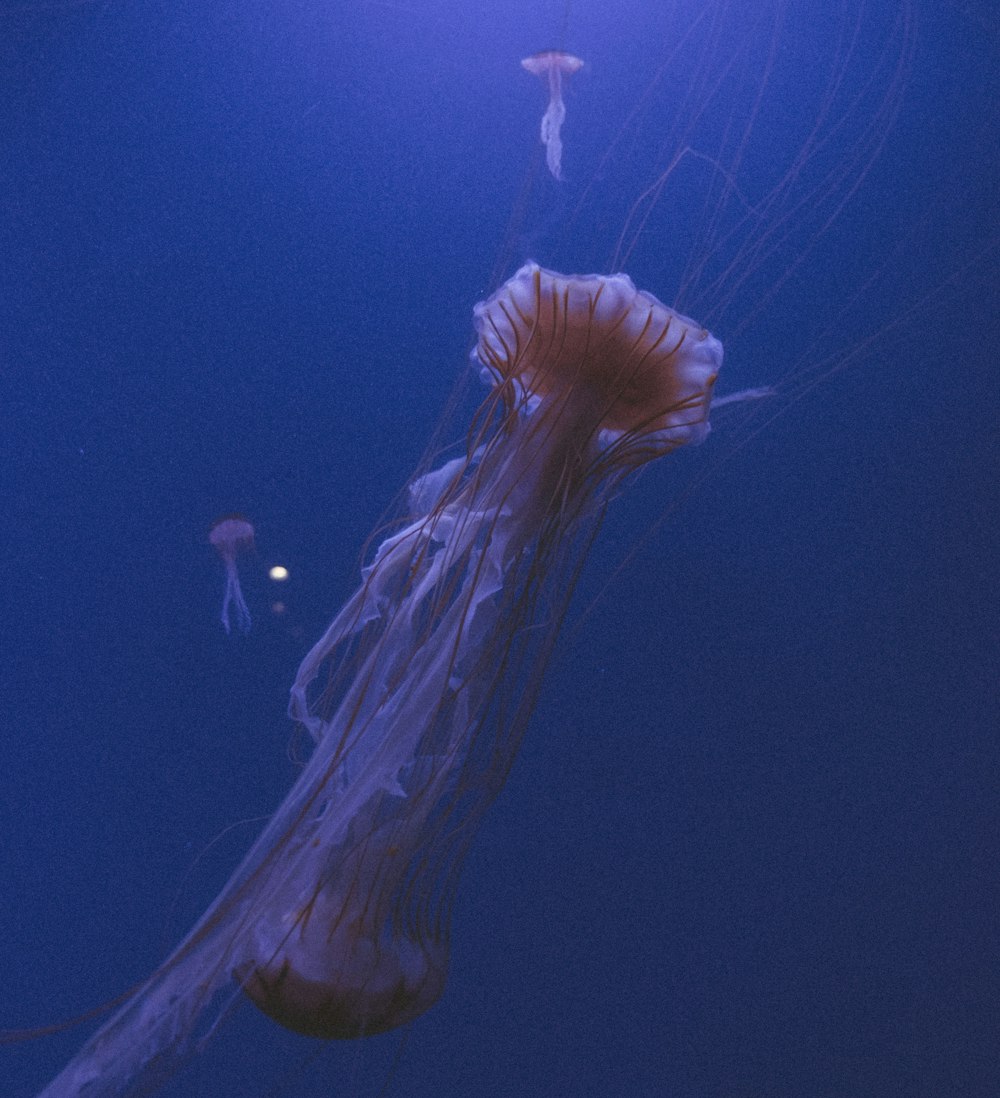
(279, 573)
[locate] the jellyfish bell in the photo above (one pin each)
(231, 533)
(552, 62)
(551, 66)
(594, 345)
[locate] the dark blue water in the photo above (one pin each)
(749, 847)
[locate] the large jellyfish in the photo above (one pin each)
(551, 64)
(417, 695)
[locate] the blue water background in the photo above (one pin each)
(750, 845)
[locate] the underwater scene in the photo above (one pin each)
(500, 538)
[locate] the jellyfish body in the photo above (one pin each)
(551, 65)
(416, 697)
(230, 535)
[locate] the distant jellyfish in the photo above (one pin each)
(552, 64)
(230, 535)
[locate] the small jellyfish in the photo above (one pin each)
(552, 64)
(230, 535)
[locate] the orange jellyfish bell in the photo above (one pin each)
(551, 65)
(640, 373)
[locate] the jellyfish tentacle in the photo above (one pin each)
(233, 597)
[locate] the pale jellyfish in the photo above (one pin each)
(230, 535)
(416, 697)
(552, 64)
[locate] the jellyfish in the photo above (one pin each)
(337, 922)
(416, 697)
(552, 64)
(230, 535)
